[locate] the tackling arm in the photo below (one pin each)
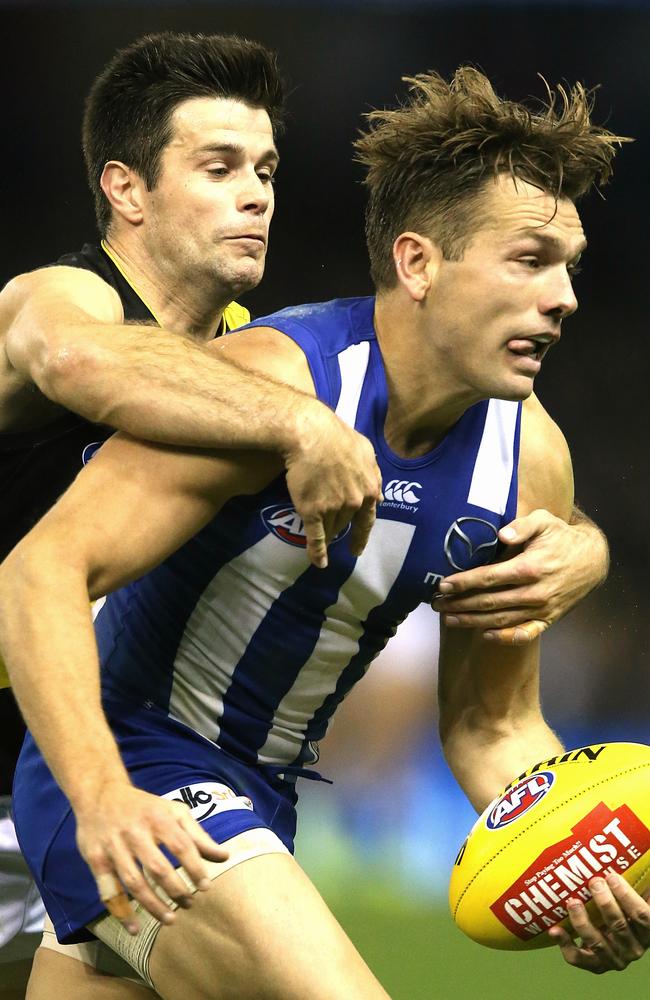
(128, 509)
(63, 331)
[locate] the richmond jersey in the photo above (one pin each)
(37, 466)
(239, 637)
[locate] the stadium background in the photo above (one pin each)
(380, 842)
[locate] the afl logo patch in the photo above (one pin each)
(286, 523)
(90, 450)
(519, 799)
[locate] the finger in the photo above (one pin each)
(634, 907)
(511, 572)
(160, 872)
(316, 541)
(519, 635)
(361, 526)
(593, 941)
(133, 878)
(116, 900)
(522, 529)
(119, 906)
(200, 847)
(619, 932)
(575, 956)
(486, 620)
(472, 602)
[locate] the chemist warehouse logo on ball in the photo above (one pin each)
(286, 524)
(519, 800)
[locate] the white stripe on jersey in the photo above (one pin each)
(492, 475)
(216, 636)
(367, 587)
(353, 364)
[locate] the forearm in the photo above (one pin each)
(48, 644)
(165, 388)
(484, 758)
(595, 541)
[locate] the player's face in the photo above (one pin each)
(209, 213)
(501, 307)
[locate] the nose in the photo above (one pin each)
(255, 195)
(559, 299)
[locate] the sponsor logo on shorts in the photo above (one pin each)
(286, 523)
(207, 798)
(519, 800)
(605, 840)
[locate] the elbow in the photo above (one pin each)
(62, 367)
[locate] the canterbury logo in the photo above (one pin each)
(402, 491)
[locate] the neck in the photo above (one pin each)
(424, 400)
(176, 304)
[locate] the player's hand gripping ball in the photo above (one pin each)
(538, 844)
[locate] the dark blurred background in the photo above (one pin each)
(341, 60)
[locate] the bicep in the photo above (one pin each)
(135, 503)
(545, 467)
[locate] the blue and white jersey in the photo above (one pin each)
(238, 637)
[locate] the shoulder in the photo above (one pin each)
(545, 469)
(269, 352)
(299, 345)
(51, 288)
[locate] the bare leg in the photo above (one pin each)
(261, 932)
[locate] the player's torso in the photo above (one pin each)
(239, 637)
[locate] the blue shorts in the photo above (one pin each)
(162, 756)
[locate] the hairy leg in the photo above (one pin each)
(261, 932)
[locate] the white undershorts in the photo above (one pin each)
(119, 953)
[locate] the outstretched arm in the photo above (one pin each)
(491, 724)
(87, 545)
(63, 332)
(553, 565)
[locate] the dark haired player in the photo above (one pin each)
(120, 335)
(222, 666)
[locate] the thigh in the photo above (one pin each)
(261, 932)
(55, 975)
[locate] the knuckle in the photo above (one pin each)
(157, 869)
(133, 881)
(96, 858)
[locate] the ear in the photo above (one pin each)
(123, 188)
(417, 260)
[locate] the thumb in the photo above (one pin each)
(522, 529)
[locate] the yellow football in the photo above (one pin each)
(561, 823)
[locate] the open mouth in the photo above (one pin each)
(530, 347)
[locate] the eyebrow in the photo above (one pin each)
(235, 149)
(552, 241)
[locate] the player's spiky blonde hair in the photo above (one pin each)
(427, 160)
